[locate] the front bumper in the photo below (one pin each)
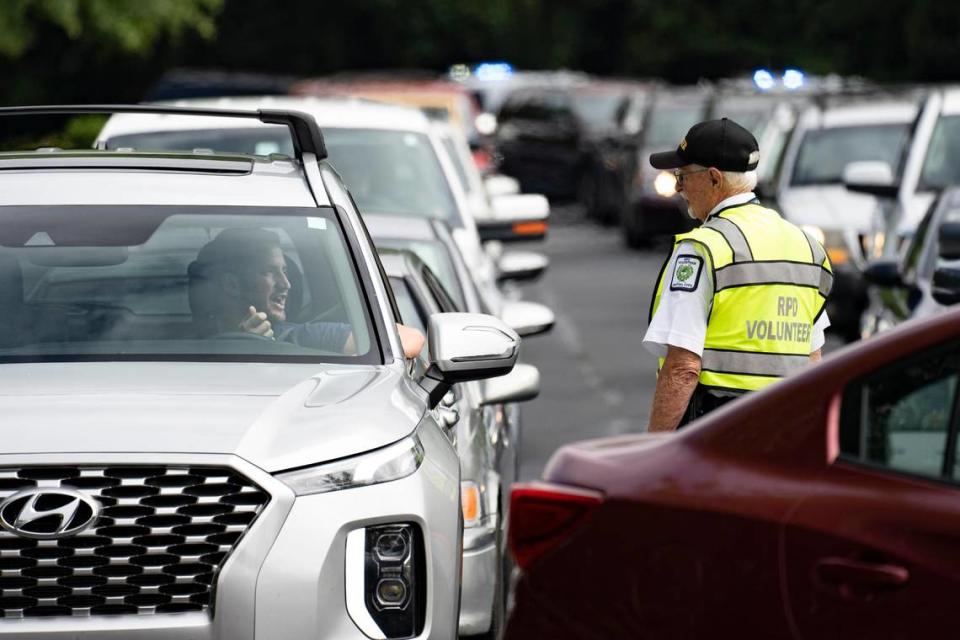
(286, 577)
(479, 589)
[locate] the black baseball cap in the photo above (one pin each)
(715, 143)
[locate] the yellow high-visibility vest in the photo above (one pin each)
(771, 280)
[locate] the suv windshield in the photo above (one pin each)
(179, 283)
(392, 172)
(668, 123)
(824, 153)
(598, 110)
(941, 167)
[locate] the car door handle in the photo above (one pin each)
(838, 572)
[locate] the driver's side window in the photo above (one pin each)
(904, 416)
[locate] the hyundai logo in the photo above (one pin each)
(46, 514)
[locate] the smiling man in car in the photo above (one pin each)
(739, 302)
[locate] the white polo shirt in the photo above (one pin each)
(681, 317)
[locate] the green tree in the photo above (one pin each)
(127, 26)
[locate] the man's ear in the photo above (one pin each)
(716, 177)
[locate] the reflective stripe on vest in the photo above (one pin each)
(753, 273)
(771, 281)
(759, 364)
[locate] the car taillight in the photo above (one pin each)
(542, 516)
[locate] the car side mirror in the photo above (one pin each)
(521, 266)
(948, 240)
(515, 218)
(467, 346)
(946, 285)
(527, 318)
(500, 185)
(873, 177)
(520, 385)
(883, 273)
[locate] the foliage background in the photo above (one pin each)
(113, 50)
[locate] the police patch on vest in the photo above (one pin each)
(686, 273)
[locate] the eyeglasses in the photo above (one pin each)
(679, 175)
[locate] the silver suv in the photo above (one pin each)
(210, 430)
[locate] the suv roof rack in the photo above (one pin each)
(306, 134)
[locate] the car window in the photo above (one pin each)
(392, 172)
(159, 282)
(668, 123)
(599, 110)
(916, 244)
(900, 418)
(439, 293)
(824, 153)
(941, 166)
(411, 314)
(436, 256)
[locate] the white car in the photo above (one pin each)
(210, 426)
(811, 191)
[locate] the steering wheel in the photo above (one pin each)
(243, 335)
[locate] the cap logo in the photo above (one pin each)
(754, 157)
(683, 144)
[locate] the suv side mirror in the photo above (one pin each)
(467, 346)
(515, 218)
(946, 285)
(520, 385)
(873, 177)
(521, 266)
(527, 318)
(948, 239)
(883, 273)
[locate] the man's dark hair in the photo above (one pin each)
(233, 249)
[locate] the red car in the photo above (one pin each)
(827, 506)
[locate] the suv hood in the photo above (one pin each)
(831, 207)
(277, 416)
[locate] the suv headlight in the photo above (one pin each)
(392, 462)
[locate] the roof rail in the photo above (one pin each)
(307, 137)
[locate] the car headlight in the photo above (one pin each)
(392, 462)
(665, 184)
(832, 241)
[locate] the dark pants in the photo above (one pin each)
(701, 403)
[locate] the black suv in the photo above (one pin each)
(574, 141)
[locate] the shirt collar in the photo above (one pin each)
(733, 201)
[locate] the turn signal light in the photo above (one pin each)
(542, 516)
(530, 228)
(470, 502)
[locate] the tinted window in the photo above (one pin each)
(435, 255)
(178, 283)
(941, 167)
(824, 153)
(900, 418)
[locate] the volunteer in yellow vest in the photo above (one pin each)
(739, 302)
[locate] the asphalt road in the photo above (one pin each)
(596, 377)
